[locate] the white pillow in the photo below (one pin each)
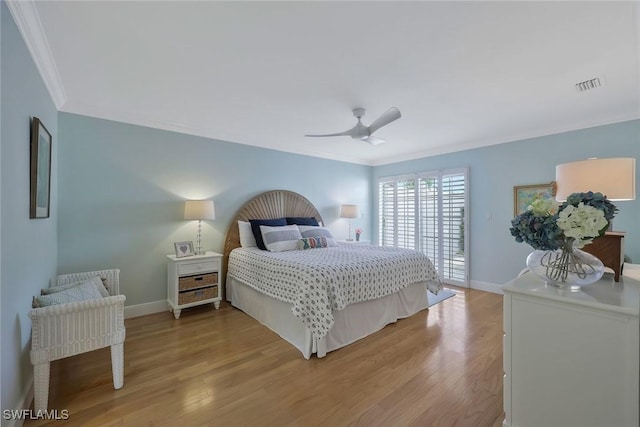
(313, 231)
(82, 292)
(247, 240)
(282, 238)
(95, 280)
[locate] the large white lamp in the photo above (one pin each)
(615, 178)
(349, 211)
(199, 209)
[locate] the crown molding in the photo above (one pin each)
(25, 15)
(472, 145)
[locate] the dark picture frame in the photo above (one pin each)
(524, 195)
(40, 170)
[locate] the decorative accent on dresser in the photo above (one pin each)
(193, 281)
(557, 232)
(571, 358)
(616, 179)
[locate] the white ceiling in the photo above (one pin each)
(463, 74)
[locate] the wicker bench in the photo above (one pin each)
(64, 330)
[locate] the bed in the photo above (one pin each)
(321, 299)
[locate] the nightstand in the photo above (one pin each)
(610, 250)
(193, 280)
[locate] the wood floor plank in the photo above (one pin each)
(441, 367)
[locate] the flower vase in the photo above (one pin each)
(357, 237)
(567, 267)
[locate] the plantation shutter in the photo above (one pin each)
(387, 210)
(427, 212)
(406, 219)
(454, 268)
(397, 213)
(429, 219)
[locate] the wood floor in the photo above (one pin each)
(441, 367)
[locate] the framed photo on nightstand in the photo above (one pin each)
(183, 249)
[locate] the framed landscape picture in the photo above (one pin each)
(40, 170)
(524, 195)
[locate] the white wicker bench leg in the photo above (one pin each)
(117, 365)
(41, 386)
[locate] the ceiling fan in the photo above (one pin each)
(362, 132)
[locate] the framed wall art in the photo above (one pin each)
(184, 249)
(524, 195)
(40, 170)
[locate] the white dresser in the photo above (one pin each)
(571, 359)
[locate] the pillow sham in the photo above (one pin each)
(96, 280)
(257, 234)
(298, 220)
(281, 238)
(82, 292)
(309, 231)
(315, 242)
(247, 240)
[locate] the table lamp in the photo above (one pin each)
(199, 209)
(349, 211)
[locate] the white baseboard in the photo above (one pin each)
(485, 286)
(144, 309)
(25, 403)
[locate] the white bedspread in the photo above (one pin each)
(317, 281)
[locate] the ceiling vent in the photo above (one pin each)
(589, 84)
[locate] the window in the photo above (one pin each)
(427, 212)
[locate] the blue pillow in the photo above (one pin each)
(255, 228)
(297, 220)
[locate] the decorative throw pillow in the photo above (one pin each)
(297, 220)
(282, 238)
(82, 292)
(257, 234)
(246, 235)
(309, 231)
(97, 280)
(315, 242)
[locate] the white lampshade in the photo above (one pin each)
(349, 211)
(615, 178)
(199, 209)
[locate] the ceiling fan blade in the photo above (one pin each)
(373, 140)
(387, 117)
(345, 133)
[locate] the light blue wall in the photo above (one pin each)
(122, 188)
(29, 246)
(493, 172)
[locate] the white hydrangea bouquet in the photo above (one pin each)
(560, 228)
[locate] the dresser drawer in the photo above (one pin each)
(197, 281)
(197, 295)
(195, 267)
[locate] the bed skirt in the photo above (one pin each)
(351, 324)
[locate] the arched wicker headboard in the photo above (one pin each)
(269, 205)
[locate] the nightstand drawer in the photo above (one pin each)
(198, 281)
(195, 267)
(197, 295)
